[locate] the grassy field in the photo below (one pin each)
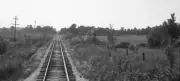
(95, 63)
(150, 54)
(133, 39)
(18, 53)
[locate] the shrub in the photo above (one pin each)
(142, 45)
(68, 35)
(3, 46)
(154, 41)
(122, 45)
(75, 41)
(85, 40)
(9, 66)
(12, 62)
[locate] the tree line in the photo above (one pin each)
(164, 36)
(28, 29)
(100, 31)
(44, 29)
(168, 31)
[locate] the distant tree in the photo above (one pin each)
(122, 29)
(49, 30)
(155, 38)
(29, 26)
(12, 28)
(4, 29)
(128, 31)
(172, 28)
(94, 36)
(101, 31)
(178, 28)
(28, 29)
(111, 37)
(63, 30)
(38, 28)
(164, 34)
(135, 30)
(82, 30)
(73, 29)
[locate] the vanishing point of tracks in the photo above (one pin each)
(56, 66)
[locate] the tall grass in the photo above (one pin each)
(98, 66)
(12, 60)
(3, 45)
(104, 68)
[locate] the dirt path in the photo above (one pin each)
(39, 55)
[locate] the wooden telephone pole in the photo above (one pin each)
(35, 24)
(15, 18)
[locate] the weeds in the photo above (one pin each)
(114, 68)
(12, 60)
(3, 46)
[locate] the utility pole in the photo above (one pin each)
(35, 24)
(15, 18)
(111, 26)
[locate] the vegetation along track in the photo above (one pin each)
(56, 66)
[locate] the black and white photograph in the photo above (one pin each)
(89, 40)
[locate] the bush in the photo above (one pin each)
(9, 66)
(3, 46)
(85, 40)
(120, 69)
(122, 45)
(68, 35)
(142, 45)
(11, 63)
(154, 41)
(75, 41)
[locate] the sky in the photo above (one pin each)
(99, 13)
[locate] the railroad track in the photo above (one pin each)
(56, 66)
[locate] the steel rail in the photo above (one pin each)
(47, 67)
(67, 76)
